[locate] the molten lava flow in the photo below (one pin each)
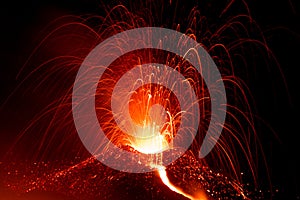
(156, 144)
(152, 141)
(154, 130)
(163, 175)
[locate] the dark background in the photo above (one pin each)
(21, 22)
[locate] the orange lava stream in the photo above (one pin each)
(163, 175)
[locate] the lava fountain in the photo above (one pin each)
(137, 108)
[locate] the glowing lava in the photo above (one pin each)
(163, 175)
(152, 141)
(151, 138)
(154, 144)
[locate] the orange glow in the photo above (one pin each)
(154, 144)
(154, 132)
(163, 175)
